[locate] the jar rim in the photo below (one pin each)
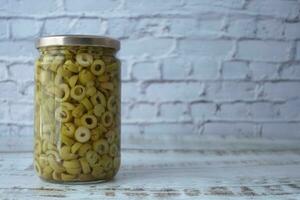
(77, 40)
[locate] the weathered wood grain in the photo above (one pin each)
(227, 173)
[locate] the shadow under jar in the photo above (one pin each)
(77, 108)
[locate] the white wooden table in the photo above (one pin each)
(210, 170)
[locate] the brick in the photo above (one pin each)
(19, 138)
(125, 70)
(88, 26)
(151, 7)
(262, 111)
(278, 8)
(20, 112)
(26, 130)
(54, 26)
(137, 28)
(21, 131)
(176, 68)
(130, 91)
(284, 130)
(203, 110)
(173, 91)
(27, 91)
(122, 27)
(15, 49)
(21, 72)
(4, 29)
(230, 91)
(210, 48)
(235, 4)
(146, 71)
(234, 111)
(268, 50)
(143, 111)
(30, 7)
(68, 25)
(161, 130)
(204, 69)
(270, 29)
(25, 28)
(4, 111)
(129, 131)
(191, 27)
(183, 27)
(298, 51)
(241, 28)
(174, 111)
(290, 110)
(9, 90)
(151, 27)
(292, 30)
(225, 129)
(282, 91)
(3, 71)
(150, 47)
(124, 110)
(290, 72)
(88, 6)
(263, 71)
(4, 129)
(211, 25)
(235, 70)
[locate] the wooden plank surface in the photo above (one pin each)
(161, 173)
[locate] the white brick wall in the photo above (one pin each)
(223, 68)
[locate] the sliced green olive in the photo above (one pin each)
(101, 146)
(82, 134)
(98, 67)
(84, 59)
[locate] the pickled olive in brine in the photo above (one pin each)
(82, 134)
(77, 118)
(78, 92)
(98, 67)
(84, 59)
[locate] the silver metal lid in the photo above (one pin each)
(77, 40)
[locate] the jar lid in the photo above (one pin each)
(77, 40)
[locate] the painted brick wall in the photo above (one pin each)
(190, 67)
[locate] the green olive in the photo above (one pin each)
(82, 134)
(84, 59)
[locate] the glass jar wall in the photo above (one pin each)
(77, 110)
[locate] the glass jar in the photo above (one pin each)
(77, 108)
